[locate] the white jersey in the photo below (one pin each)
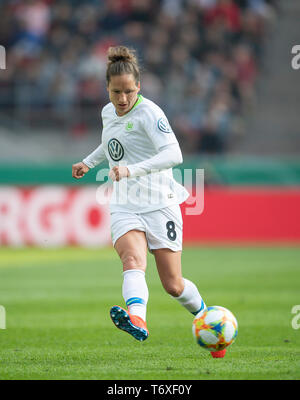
(131, 140)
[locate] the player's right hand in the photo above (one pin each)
(79, 170)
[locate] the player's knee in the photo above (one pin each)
(174, 288)
(132, 261)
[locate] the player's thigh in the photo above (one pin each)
(164, 228)
(132, 250)
(168, 264)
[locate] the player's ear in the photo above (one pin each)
(138, 86)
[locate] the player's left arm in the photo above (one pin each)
(168, 156)
(158, 129)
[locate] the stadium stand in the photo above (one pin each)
(200, 61)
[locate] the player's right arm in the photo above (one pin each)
(81, 168)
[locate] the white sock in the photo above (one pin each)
(190, 298)
(135, 292)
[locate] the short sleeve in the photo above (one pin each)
(158, 128)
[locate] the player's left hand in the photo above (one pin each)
(117, 173)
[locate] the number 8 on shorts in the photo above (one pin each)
(171, 230)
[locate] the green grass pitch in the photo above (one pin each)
(58, 326)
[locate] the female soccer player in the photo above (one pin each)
(141, 148)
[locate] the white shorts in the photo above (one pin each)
(163, 228)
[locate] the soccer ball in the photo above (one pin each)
(215, 328)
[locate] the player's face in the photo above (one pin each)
(123, 92)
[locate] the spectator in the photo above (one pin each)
(200, 59)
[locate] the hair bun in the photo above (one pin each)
(122, 60)
(116, 57)
(121, 53)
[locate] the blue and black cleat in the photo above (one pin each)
(132, 324)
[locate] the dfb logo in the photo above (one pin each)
(296, 58)
(2, 318)
(2, 57)
(296, 319)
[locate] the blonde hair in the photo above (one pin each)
(122, 60)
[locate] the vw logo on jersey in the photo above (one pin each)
(163, 125)
(115, 149)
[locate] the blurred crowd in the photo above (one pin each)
(199, 59)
